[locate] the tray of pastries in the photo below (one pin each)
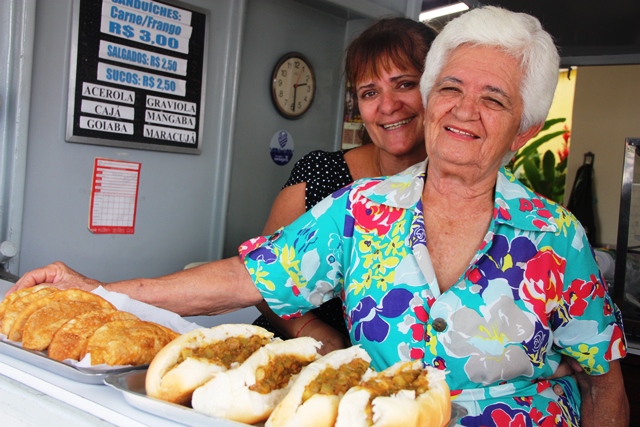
(78, 334)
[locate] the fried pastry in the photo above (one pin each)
(44, 322)
(20, 304)
(15, 334)
(127, 342)
(70, 339)
(9, 299)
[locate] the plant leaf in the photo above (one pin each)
(532, 173)
(551, 122)
(548, 166)
(532, 147)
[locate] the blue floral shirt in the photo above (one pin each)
(532, 292)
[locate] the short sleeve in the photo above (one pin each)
(588, 325)
(299, 267)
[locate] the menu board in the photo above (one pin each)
(137, 75)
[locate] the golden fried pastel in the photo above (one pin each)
(15, 334)
(127, 342)
(70, 339)
(9, 299)
(20, 304)
(44, 322)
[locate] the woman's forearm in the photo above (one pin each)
(604, 400)
(213, 288)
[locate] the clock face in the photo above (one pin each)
(293, 85)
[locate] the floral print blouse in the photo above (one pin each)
(532, 293)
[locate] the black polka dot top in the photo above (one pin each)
(323, 172)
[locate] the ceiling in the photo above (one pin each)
(588, 32)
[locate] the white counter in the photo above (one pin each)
(31, 396)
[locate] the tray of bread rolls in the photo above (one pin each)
(132, 385)
(241, 375)
(84, 335)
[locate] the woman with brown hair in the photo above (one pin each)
(383, 66)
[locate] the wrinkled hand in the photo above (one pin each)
(57, 274)
(568, 366)
(331, 339)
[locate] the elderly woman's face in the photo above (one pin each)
(474, 109)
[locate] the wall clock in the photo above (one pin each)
(293, 85)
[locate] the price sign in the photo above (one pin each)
(137, 75)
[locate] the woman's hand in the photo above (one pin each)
(331, 339)
(308, 325)
(568, 367)
(57, 274)
(604, 400)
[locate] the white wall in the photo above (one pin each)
(273, 29)
(180, 216)
(606, 111)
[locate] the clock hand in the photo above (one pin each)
(298, 79)
(295, 91)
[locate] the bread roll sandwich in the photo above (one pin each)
(195, 357)
(315, 395)
(403, 395)
(250, 392)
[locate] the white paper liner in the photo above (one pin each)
(147, 311)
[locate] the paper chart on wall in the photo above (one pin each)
(114, 196)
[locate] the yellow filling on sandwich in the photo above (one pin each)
(277, 373)
(332, 381)
(415, 379)
(232, 350)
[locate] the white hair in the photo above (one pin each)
(519, 35)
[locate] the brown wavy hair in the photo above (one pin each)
(399, 42)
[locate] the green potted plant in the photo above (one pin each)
(544, 171)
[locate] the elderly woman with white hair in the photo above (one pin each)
(453, 261)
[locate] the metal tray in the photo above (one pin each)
(76, 373)
(131, 384)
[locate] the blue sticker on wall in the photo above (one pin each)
(281, 147)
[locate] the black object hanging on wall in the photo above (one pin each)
(581, 199)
